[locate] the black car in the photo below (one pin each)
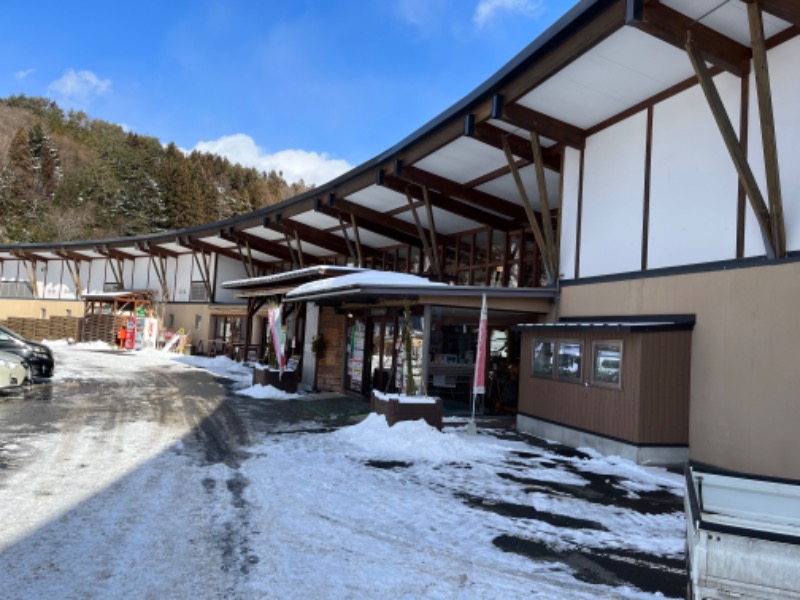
(38, 356)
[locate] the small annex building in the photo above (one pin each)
(621, 386)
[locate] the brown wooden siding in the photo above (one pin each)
(666, 365)
(650, 408)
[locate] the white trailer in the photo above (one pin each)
(743, 536)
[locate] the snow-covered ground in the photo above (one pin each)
(94, 507)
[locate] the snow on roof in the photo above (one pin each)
(296, 274)
(366, 278)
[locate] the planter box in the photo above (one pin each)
(404, 408)
(287, 383)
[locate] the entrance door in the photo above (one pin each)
(382, 354)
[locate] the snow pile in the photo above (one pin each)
(405, 399)
(240, 373)
(266, 392)
(413, 440)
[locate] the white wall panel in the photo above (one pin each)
(785, 87)
(141, 279)
(51, 285)
(97, 276)
(613, 192)
(693, 184)
(183, 277)
(229, 270)
(569, 212)
(85, 271)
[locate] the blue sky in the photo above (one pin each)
(309, 88)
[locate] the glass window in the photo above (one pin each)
(543, 351)
(402, 260)
(465, 251)
(498, 253)
(607, 363)
(198, 292)
(570, 354)
(481, 247)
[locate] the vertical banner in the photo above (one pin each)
(479, 381)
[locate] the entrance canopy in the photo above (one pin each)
(380, 287)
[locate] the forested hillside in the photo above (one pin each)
(66, 176)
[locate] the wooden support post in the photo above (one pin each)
(422, 234)
(357, 238)
(549, 235)
(75, 273)
(246, 258)
(292, 253)
(537, 232)
(30, 269)
(350, 251)
(761, 72)
(299, 250)
(734, 147)
(432, 229)
(160, 267)
(205, 271)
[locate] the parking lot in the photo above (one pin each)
(136, 475)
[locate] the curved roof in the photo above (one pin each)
(602, 61)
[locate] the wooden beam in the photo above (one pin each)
(260, 244)
(422, 232)
(493, 136)
(476, 197)
(154, 248)
(734, 147)
(544, 203)
(671, 26)
(788, 10)
(351, 251)
(318, 237)
(544, 125)
(205, 271)
(296, 261)
(193, 244)
(357, 235)
(544, 249)
(451, 205)
(426, 196)
(160, 267)
(767, 117)
(376, 222)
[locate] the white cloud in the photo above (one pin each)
(24, 73)
(487, 10)
(311, 167)
(81, 86)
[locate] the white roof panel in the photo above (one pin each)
(446, 222)
(623, 70)
(463, 160)
(730, 19)
(504, 187)
(378, 198)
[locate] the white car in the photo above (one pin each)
(14, 371)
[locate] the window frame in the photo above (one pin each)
(608, 384)
(579, 377)
(541, 374)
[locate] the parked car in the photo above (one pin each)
(38, 356)
(14, 371)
